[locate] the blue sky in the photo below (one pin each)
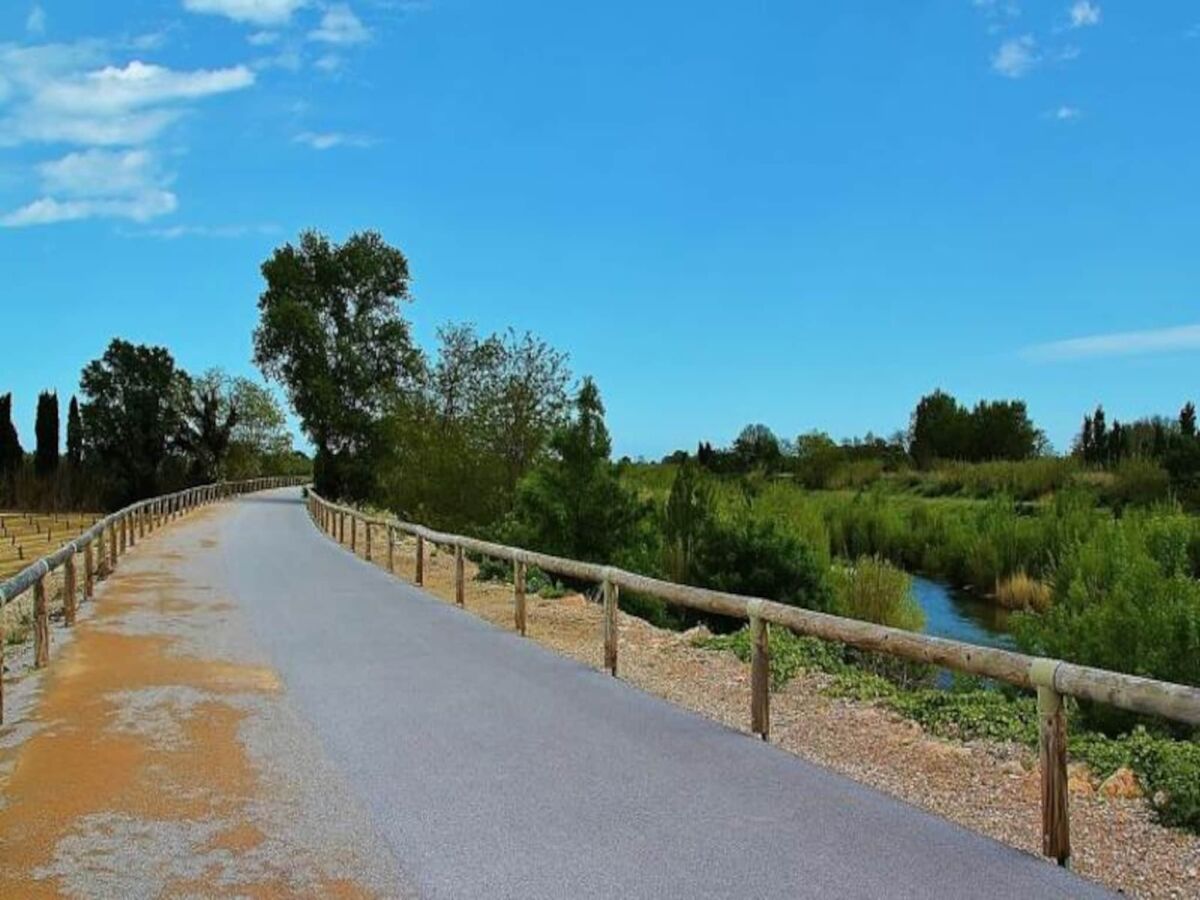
(801, 214)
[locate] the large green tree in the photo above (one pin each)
(133, 398)
(206, 427)
(45, 456)
(330, 331)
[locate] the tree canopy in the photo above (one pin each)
(330, 331)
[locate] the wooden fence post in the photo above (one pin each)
(141, 515)
(610, 626)
(519, 596)
(112, 548)
(69, 590)
(124, 537)
(89, 571)
(41, 625)
(353, 533)
(760, 672)
(460, 588)
(391, 539)
(419, 575)
(1052, 753)
(367, 539)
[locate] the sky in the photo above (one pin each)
(801, 214)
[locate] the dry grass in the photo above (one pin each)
(1021, 591)
(24, 537)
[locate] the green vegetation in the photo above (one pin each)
(144, 427)
(483, 439)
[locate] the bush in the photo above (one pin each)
(759, 559)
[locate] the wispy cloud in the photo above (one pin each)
(66, 94)
(1124, 343)
(1065, 113)
(1084, 14)
(1016, 56)
(339, 25)
(111, 106)
(35, 22)
(255, 12)
(327, 140)
(97, 183)
(219, 232)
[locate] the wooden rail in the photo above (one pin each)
(1052, 679)
(119, 532)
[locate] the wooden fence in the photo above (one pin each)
(102, 545)
(1052, 679)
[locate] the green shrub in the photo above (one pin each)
(1123, 600)
(790, 653)
(876, 591)
(759, 559)
(1138, 482)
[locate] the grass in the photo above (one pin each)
(1021, 592)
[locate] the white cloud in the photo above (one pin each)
(66, 94)
(1126, 343)
(1016, 56)
(110, 106)
(35, 22)
(1084, 14)
(47, 210)
(1066, 113)
(339, 25)
(255, 12)
(99, 173)
(139, 84)
(97, 183)
(263, 38)
(325, 140)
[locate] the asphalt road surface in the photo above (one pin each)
(494, 768)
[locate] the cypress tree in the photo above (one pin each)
(74, 434)
(45, 457)
(11, 453)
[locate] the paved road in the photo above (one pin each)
(495, 768)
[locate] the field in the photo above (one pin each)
(24, 537)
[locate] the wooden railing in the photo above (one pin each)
(1052, 679)
(102, 545)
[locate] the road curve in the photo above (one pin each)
(495, 768)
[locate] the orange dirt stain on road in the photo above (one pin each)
(97, 753)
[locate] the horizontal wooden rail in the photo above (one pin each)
(1052, 679)
(117, 532)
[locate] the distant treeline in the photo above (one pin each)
(144, 427)
(940, 429)
(1150, 459)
